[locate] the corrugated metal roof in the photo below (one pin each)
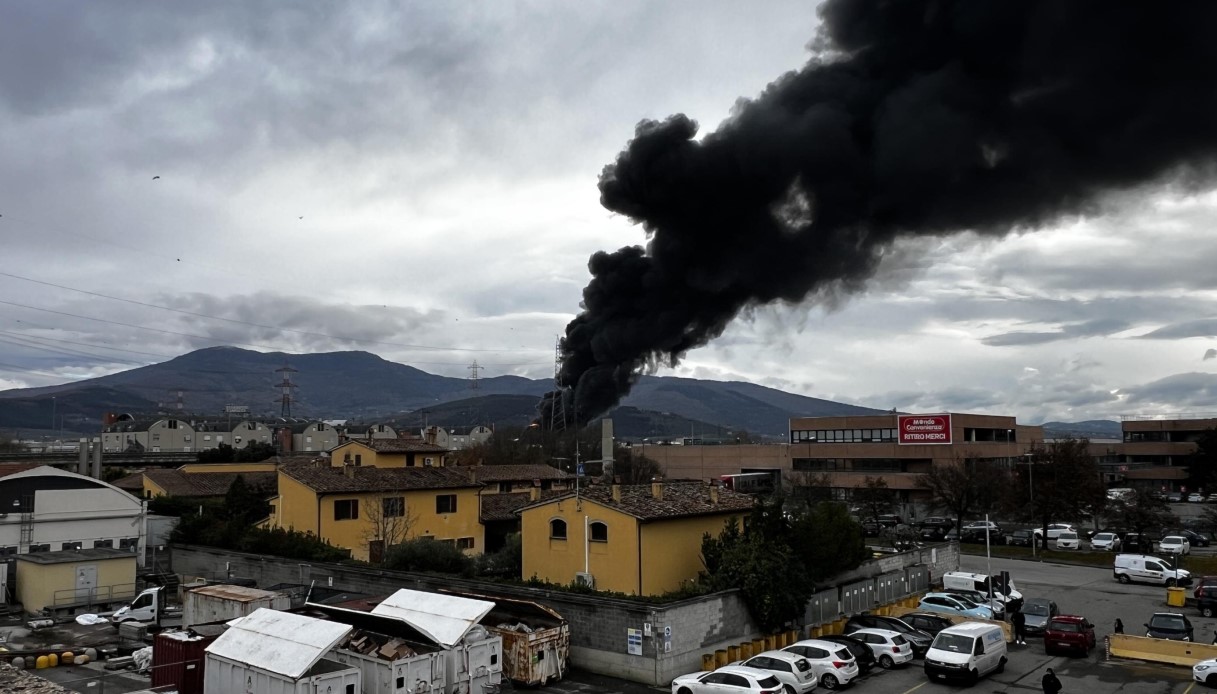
(233, 593)
(444, 618)
(279, 642)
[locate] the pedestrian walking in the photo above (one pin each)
(1050, 683)
(1119, 626)
(1019, 621)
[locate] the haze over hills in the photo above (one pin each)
(362, 386)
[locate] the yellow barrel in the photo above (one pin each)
(707, 661)
(42, 663)
(745, 650)
(769, 642)
(758, 646)
(66, 658)
(1176, 597)
(732, 653)
(720, 657)
(52, 660)
(817, 632)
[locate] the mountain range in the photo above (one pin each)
(364, 387)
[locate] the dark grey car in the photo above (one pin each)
(1169, 625)
(1037, 612)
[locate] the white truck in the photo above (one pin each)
(147, 608)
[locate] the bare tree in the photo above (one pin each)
(387, 523)
(808, 487)
(875, 497)
(966, 485)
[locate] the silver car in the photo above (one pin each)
(793, 670)
(732, 678)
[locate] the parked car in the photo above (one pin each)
(871, 528)
(920, 639)
(1037, 612)
(890, 647)
(1070, 634)
(1174, 497)
(928, 622)
(1206, 600)
(1055, 529)
(1205, 672)
(1139, 542)
(941, 602)
(733, 678)
(980, 526)
(1202, 583)
(935, 527)
(1020, 538)
(996, 603)
(1196, 538)
(833, 664)
(1169, 625)
(967, 652)
(1107, 542)
(1175, 544)
(889, 520)
(1068, 539)
(792, 670)
(857, 647)
(1148, 569)
(1195, 498)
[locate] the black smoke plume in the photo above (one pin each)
(915, 117)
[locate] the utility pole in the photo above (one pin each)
(473, 375)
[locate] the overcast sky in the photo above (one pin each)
(418, 180)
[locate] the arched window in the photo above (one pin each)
(599, 532)
(557, 529)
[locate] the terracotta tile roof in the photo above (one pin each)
(130, 482)
(503, 507)
(399, 446)
(679, 499)
(178, 483)
(7, 469)
(366, 479)
(506, 473)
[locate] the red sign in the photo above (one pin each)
(924, 429)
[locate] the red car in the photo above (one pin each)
(1068, 633)
(1202, 583)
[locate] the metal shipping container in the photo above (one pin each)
(223, 676)
(536, 639)
(222, 603)
(423, 671)
(475, 665)
(178, 657)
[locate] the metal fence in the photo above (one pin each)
(858, 596)
(823, 606)
(99, 595)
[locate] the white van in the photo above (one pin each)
(966, 652)
(1148, 569)
(962, 580)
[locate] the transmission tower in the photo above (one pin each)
(285, 390)
(557, 403)
(473, 374)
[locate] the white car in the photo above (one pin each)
(980, 526)
(792, 670)
(1108, 542)
(1195, 498)
(1055, 529)
(1175, 544)
(890, 647)
(1205, 672)
(1068, 540)
(732, 678)
(833, 664)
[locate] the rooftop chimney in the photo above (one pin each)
(657, 487)
(349, 471)
(616, 488)
(714, 492)
(534, 492)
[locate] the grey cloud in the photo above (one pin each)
(1176, 393)
(1196, 328)
(1209, 354)
(1074, 331)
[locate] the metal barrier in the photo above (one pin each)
(858, 596)
(98, 595)
(890, 587)
(823, 607)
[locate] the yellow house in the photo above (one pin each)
(387, 453)
(639, 539)
(75, 578)
(506, 479)
(368, 509)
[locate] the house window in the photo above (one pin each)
(172, 424)
(346, 509)
(308, 439)
(71, 545)
(103, 543)
(599, 532)
(7, 551)
(358, 459)
(394, 506)
(445, 503)
(207, 437)
(39, 548)
(504, 487)
(557, 529)
(220, 438)
(131, 543)
(236, 439)
(464, 543)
